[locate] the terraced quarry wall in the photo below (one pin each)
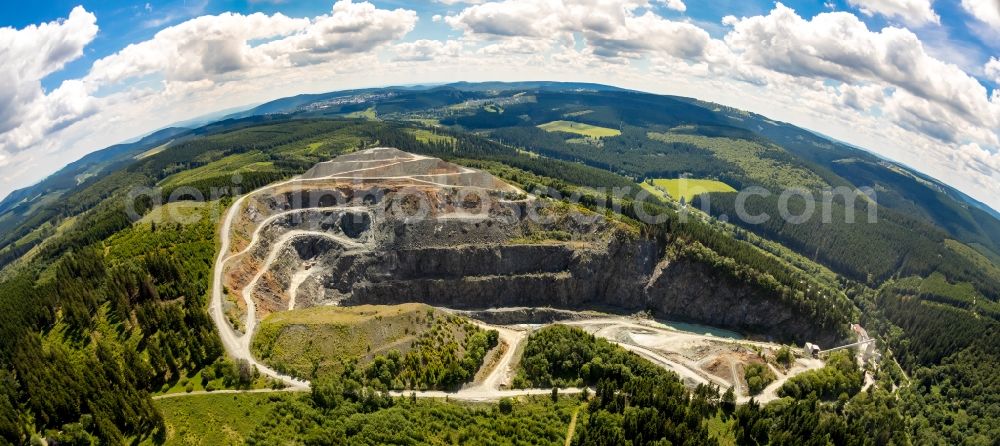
(383, 226)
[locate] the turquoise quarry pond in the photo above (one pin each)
(701, 329)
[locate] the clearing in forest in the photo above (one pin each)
(579, 128)
(688, 188)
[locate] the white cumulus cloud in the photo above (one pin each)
(614, 29)
(27, 112)
(350, 28)
(199, 48)
(839, 46)
(911, 12)
(987, 11)
(426, 50)
(210, 47)
(992, 70)
(676, 5)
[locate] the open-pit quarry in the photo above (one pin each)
(382, 226)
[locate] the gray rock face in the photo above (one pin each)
(695, 292)
(467, 277)
(621, 274)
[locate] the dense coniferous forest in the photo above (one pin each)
(86, 341)
(949, 359)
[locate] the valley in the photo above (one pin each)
(440, 257)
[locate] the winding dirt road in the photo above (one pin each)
(238, 346)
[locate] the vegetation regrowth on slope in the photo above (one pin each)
(410, 346)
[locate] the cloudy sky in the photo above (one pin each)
(917, 81)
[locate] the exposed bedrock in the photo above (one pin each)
(696, 292)
(525, 315)
(507, 275)
(618, 277)
(622, 274)
(459, 262)
(307, 196)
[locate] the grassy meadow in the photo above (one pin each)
(211, 419)
(317, 341)
(686, 188)
(579, 128)
(427, 136)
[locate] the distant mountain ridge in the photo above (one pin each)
(294, 103)
(92, 163)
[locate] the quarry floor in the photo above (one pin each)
(697, 358)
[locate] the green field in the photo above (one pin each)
(426, 122)
(579, 128)
(153, 151)
(216, 419)
(655, 191)
(427, 136)
(242, 163)
(368, 113)
(183, 212)
(686, 188)
(316, 340)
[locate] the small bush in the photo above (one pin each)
(506, 405)
(784, 356)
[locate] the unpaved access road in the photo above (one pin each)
(471, 395)
(238, 346)
(655, 342)
(502, 371)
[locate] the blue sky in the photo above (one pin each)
(913, 80)
(124, 22)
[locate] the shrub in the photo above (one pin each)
(784, 356)
(506, 405)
